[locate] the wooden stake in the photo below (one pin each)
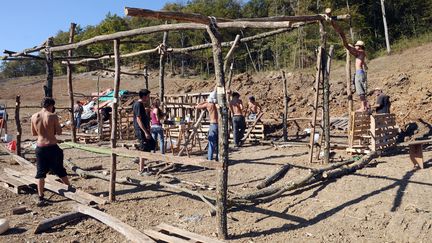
(70, 87)
(222, 184)
(349, 93)
(49, 61)
(114, 120)
(99, 117)
(18, 124)
(146, 77)
(285, 116)
(162, 60)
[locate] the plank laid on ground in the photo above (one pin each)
(47, 224)
(161, 236)
(11, 184)
(56, 187)
(168, 158)
(128, 231)
(190, 235)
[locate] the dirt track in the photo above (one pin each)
(386, 202)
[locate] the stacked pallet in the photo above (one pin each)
(257, 133)
(383, 131)
(358, 135)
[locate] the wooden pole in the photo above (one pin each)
(348, 89)
(49, 61)
(222, 184)
(18, 124)
(230, 53)
(285, 115)
(385, 27)
(146, 77)
(162, 60)
(99, 118)
(231, 73)
(114, 120)
(326, 106)
(70, 87)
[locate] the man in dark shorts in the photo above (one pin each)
(382, 105)
(141, 122)
(49, 157)
(238, 119)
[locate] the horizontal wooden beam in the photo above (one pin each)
(202, 19)
(169, 158)
(154, 50)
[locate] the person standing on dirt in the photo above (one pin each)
(49, 157)
(210, 105)
(382, 105)
(142, 127)
(253, 108)
(360, 78)
(78, 110)
(156, 126)
(238, 119)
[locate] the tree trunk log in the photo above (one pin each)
(18, 124)
(49, 61)
(70, 87)
(275, 177)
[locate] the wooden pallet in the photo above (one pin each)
(11, 184)
(169, 233)
(258, 133)
(358, 134)
(383, 131)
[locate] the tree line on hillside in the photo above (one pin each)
(406, 19)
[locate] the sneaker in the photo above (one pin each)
(136, 160)
(41, 201)
(71, 188)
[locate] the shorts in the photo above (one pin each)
(360, 82)
(49, 158)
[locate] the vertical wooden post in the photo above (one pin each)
(350, 22)
(326, 106)
(146, 77)
(285, 115)
(222, 184)
(162, 60)
(348, 90)
(385, 27)
(98, 114)
(18, 124)
(49, 62)
(114, 119)
(69, 79)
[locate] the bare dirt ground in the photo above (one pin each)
(384, 202)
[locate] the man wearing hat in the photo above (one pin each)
(210, 105)
(358, 50)
(382, 105)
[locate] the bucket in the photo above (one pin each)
(12, 145)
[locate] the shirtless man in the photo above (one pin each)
(253, 108)
(358, 51)
(49, 157)
(238, 119)
(210, 105)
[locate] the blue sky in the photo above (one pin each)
(27, 23)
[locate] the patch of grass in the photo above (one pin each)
(406, 43)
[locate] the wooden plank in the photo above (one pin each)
(168, 158)
(47, 224)
(11, 184)
(166, 238)
(56, 187)
(190, 235)
(417, 142)
(128, 231)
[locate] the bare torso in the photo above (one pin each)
(254, 108)
(236, 107)
(45, 125)
(213, 113)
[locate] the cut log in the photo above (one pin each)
(47, 224)
(280, 173)
(4, 225)
(128, 231)
(19, 210)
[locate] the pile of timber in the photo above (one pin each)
(257, 132)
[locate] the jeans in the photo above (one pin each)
(77, 121)
(213, 142)
(157, 131)
(239, 126)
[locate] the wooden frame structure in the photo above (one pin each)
(212, 26)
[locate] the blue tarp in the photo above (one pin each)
(111, 95)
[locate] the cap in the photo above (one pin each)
(359, 43)
(212, 98)
(378, 89)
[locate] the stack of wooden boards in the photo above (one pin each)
(368, 133)
(257, 133)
